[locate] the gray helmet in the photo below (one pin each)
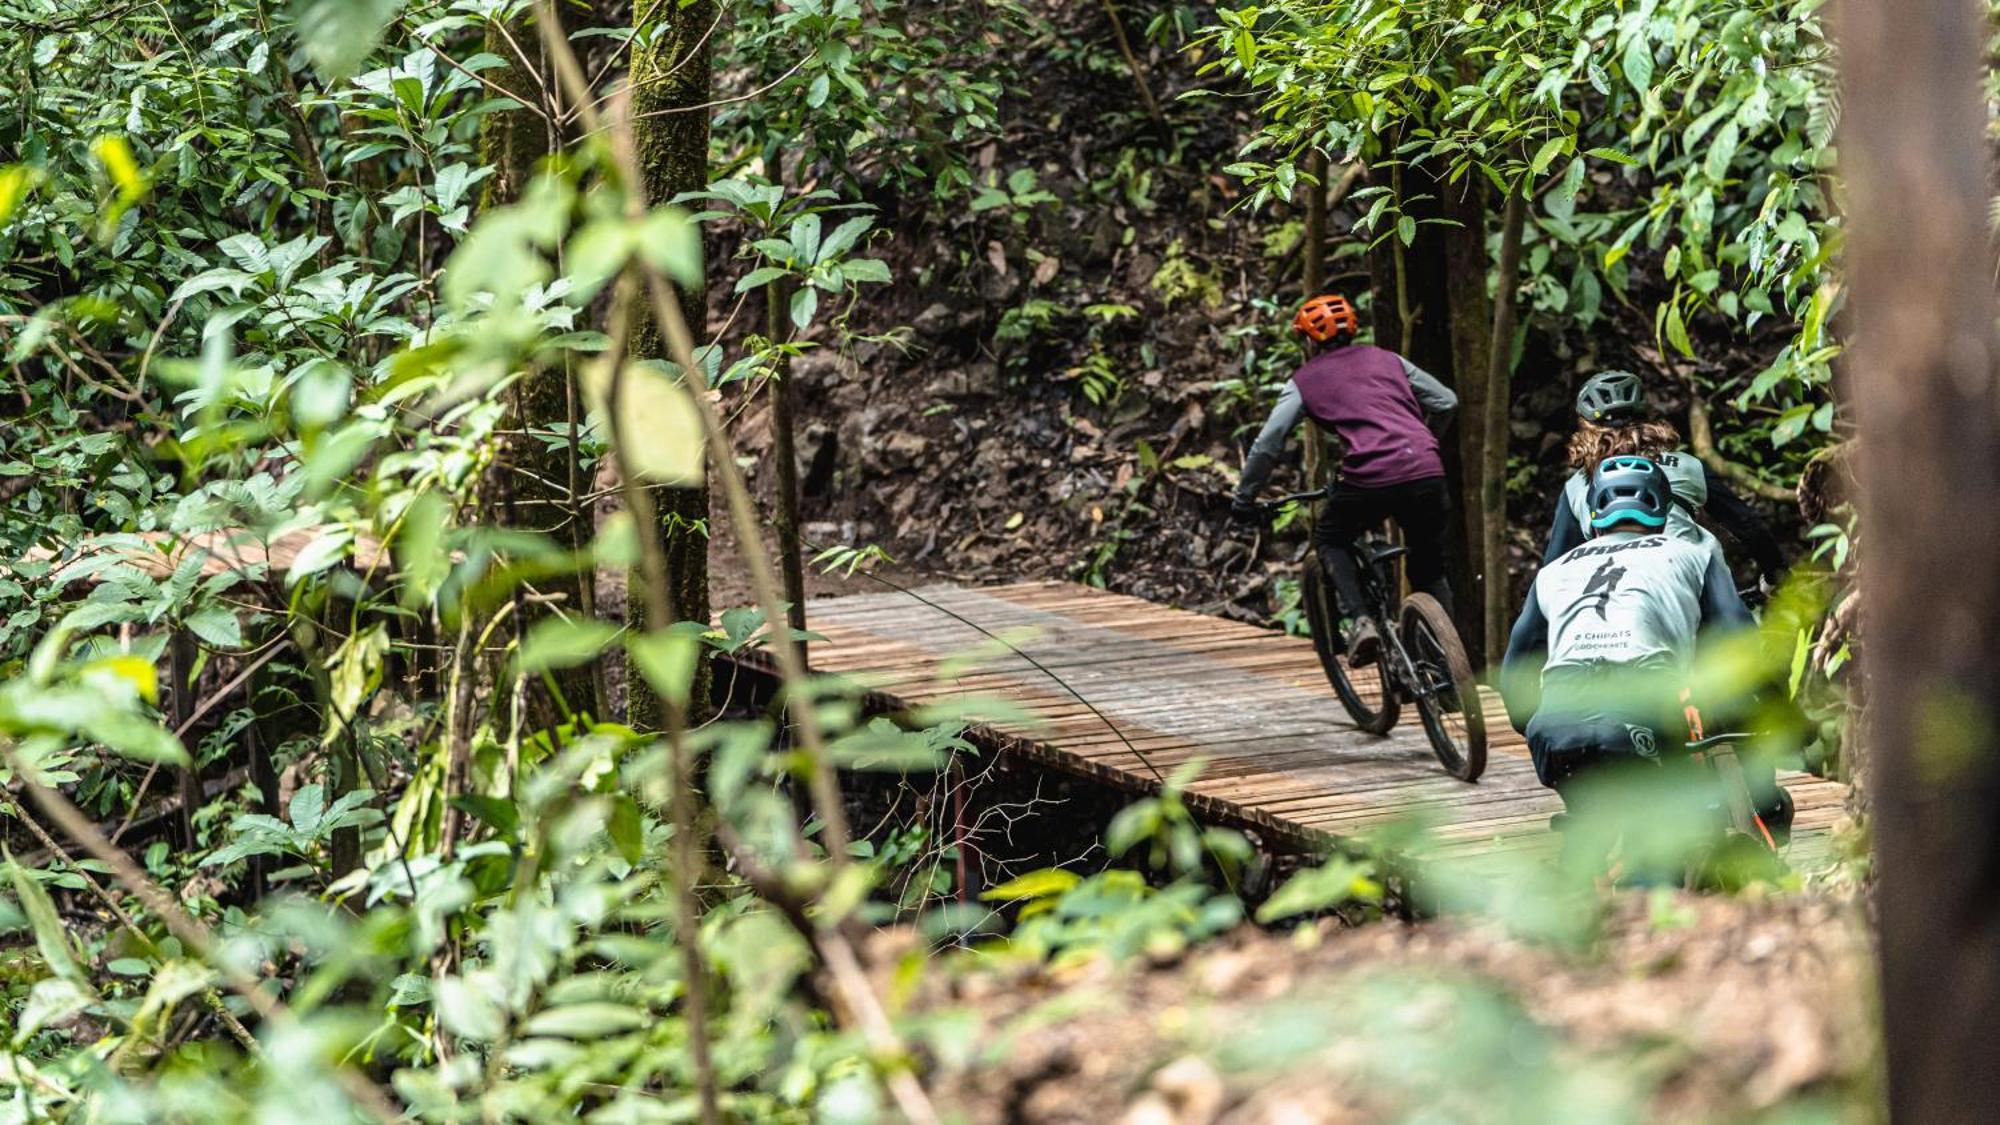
(1609, 397)
(1629, 490)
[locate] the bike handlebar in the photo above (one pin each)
(1293, 498)
(1718, 739)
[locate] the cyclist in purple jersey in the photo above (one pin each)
(1383, 410)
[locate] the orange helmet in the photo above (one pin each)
(1326, 318)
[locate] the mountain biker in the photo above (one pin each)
(1614, 419)
(1607, 638)
(1382, 408)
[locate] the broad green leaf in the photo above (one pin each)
(339, 34)
(51, 937)
(1677, 333)
(1045, 883)
(627, 831)
(1638, 63)
(659, 423)
(667, 659)
(671, 243)
(558, 643)
(805, 303)
(1545, 155)
(16, 181)
(586, 1021)
(466, 1007)
(215, 623)
(134, 670)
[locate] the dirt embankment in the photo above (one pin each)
(1689, 1009)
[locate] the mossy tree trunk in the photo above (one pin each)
(670, 87)
(535, 483)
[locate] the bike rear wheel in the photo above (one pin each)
(1365, 692)
(1447, 696)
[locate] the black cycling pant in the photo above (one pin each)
(1635, 761)
(1422, 508)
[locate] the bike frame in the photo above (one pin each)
(1718, 752)
(1377, 582)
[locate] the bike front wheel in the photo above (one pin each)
(1365, 692)
(1447, 696)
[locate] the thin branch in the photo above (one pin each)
(193, 934)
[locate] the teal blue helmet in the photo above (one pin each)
(1629, 490)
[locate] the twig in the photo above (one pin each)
(193, 934)
(1132, 62)
(236, 1029)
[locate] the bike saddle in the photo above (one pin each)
(1383, 552)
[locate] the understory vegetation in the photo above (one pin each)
(428, 420)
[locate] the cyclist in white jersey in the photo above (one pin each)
(1608, 637)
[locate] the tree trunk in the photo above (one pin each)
(1497, 591)
(670, 81)
(1313, 248)
(535, 485)
(1426, 278)
(1471, 356)
(1923, 370)
(784, 448)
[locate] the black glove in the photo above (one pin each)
(1246, 511)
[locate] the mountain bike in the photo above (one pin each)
(1420, 661)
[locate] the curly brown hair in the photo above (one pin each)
(1592, 443)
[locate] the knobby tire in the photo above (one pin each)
(1457, 734)
(1354, 686)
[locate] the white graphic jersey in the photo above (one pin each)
(1624, 598)
(1690, 485)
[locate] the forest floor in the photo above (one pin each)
(1688, 1008)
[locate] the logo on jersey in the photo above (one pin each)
(1601, 586)
(1642, 741)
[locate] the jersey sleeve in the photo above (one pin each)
(1721, 606)
(1521, 668)
(1270, 442)
(1432, 395)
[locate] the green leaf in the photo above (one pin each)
(763, 275)
(805, 303)
(627, 832)
(1546, 155)
(216, 623)
(656, 418)
(558, 643)
(339, 34)
(1046, 883)
(587, 1021)
(1406, 230)
(667, 659)
(51, 936)
(866, 269)
(466, 1007)
(671, 242)
(1321, 888)
(1638, 64)
(1677, 333)
(1611, 154)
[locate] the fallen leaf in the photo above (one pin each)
(996, 254)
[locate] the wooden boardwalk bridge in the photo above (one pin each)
(1160, 686)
